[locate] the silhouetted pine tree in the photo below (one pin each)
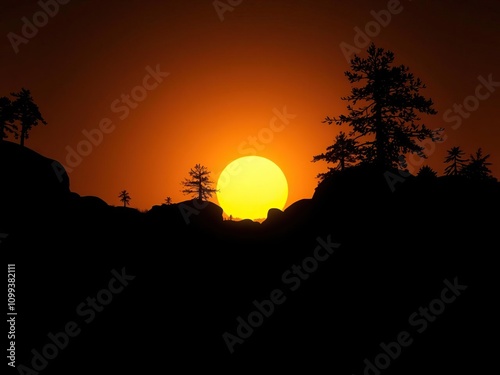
(455, 161)
(199, 184)
(124, 198)
(426, 173)
(344, 152)
(478, 167)
(26, 112)
(383, 111)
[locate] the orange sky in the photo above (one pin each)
(228, 79)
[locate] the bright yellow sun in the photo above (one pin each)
(249, 186)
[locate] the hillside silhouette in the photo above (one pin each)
(196, 273)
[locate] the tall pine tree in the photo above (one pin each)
(384, 110)
(26, 112)
(199, 183)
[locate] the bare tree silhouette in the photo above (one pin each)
(199, 184)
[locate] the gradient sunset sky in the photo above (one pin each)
(220, 79)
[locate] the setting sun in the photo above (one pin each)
(249, 186)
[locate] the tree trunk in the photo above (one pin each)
(23, 133)
(380, 136)
(380, 141)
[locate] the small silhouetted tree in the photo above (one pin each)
(426, 173)
(168, 201)
(478, 167)
(455, 161)
(7, 124)
(344, 152)
(384, 109)
(124, 198)
(199, 184)
(26, 112)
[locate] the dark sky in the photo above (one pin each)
(217, 81)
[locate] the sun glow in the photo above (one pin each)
(249, 186)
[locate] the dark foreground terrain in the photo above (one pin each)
(358, 279)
